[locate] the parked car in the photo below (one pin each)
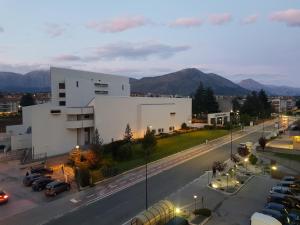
(289, 178)
(56, 187)
(283, 219)
(41, 170)
(287, 201)
(290, 184)
(295, 217)
(262, 219)
(3, 197)
(40, 184)
(28, 180)
(283, 190)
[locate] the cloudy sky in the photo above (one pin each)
(234, 38)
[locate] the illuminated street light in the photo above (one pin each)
(177, 210)
(77, 147)
(195, 198)
(227, 175)
(274, 168)
(246, 161)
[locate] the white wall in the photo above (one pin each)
(113, 113)
(49, 132)
(87, 87)
(26, 122)
(20, 141)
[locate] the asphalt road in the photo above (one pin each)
(122, 206)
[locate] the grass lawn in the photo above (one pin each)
(170, 145)
(293, 157)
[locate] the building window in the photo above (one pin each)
(62, 95)
(172, 128)
(172, 113)
(160, 130)
(122, 87)
(61, 86)
(62, 103)
(101, 92)
(77, 84)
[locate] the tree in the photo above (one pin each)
(236, 106)
(204, 101)
(97, 142)
(298, 103)
(149, 141)
(27, 100)
(128, 133)
(266, 105)
(262, 142)
(93, 159)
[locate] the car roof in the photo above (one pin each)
(272, 212)
(281, 188)
(264, 219)
(289, 177)
(274, 204)
(286, 182)
(55, 182)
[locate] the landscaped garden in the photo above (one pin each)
(101, 161)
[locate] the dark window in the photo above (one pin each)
(62, 95)
(122, 87)
(55, 111)
(173, 113)
(62, 103)
(61, 85)
(77, 83)
(101, 92)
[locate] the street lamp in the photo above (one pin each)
(227, 175)
(274, 168)
(246, 161)
(177, 211)
(195, 199)
(77, 147)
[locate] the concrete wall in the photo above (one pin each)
(20, 141)
(85, 92)
(113, 113)
(49, 132)
(26, 122)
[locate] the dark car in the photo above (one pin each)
(283, 190)
(282, 209)
(287, 201)
(41, 170)
(41, 183)
(3, 197)
(289, 178)
(56, 187)
(283, 219)
(28, 180)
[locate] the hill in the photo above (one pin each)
(253, 85)
(185, 82)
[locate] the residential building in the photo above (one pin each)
(93, 101)
(218, 118)
(283, 104)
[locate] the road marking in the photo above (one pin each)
(73, 200)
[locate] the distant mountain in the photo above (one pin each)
(34, 81)
(185, 82)
(253, 85)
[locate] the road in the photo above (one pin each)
(120, 207)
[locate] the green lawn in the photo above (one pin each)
(170, 145)
(293, 157)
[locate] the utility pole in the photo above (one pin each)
(231, 135)
(146, 181)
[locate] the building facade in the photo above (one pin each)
(93, 101)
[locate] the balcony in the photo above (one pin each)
(79, 110)
(76, 124)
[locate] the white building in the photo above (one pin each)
(83, 101)
(218, 118)
(282, 105)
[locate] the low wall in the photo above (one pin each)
(21, 141)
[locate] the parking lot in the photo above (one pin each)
(22, 198)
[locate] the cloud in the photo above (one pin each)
(1, 29)
(126, 50)
(250, 19)
(186, 22)
(118, 24)
(54, 29)
(290, 17)
(66, 58)
(220, 19)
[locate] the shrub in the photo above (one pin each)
(184, 126)
(209, 127)
(218, 166)
(202, 212)
(243, 151)
(235, 159)
(253, 159)
(262, 142)
(82, 176)
(93, 159)
(124, 152)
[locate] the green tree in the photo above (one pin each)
(128, 133)
(236, 106)
(149, 141)
(97, 142)
(204, 101)
(27, 100)
(298, 103)
(265, 104)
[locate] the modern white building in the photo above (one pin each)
(218, 118)
(83, 101)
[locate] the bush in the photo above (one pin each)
(124, 152)
(235, 159)
(203, 212)
(262, 142)
(93, 158)
(243, 151)
(218, 166)
(184, 126)
(209, 127)
(82, 176)
(253, 159)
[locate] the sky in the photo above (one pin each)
(237, 39)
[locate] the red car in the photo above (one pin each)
(3, 197)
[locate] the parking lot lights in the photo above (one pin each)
(214, 185)
(274, 168)
(177, 210)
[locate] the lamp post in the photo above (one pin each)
(246, 161)
(227, 175)
(231, 136)
(195, 199)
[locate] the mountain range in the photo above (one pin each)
(253, 85)
(183, 83)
